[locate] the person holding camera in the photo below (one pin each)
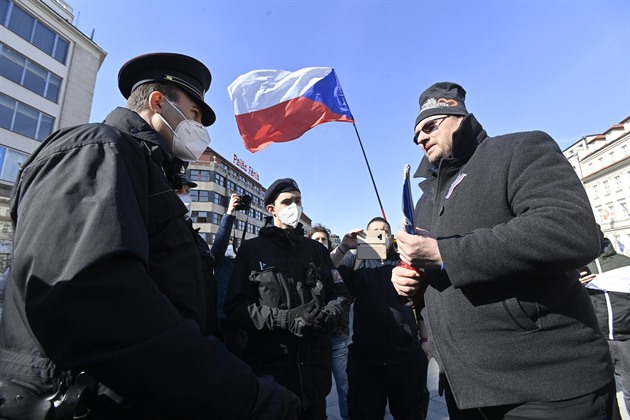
(386, 363)
(283, 295)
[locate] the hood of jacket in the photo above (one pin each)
(288, 236)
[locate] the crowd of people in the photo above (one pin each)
(121, 310)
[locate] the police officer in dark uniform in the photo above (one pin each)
(283, 295)
(106, 276)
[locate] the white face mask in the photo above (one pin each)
(187, 200)
(290, 215)
(190, 138)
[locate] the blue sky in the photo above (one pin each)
(554, 65)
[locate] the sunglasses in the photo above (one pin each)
(429, 127)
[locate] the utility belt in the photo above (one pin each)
(77, 401)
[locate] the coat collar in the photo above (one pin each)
(133, 124)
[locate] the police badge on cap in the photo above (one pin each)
(189, 74)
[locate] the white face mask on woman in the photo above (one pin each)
(187, 200)
(190, 138)
(290, 215)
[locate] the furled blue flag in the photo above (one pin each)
(407, 203)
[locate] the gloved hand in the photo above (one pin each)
(274, 402)
(301, 320)
(328, 318)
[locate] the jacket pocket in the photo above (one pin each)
(524, 315)
(271, 288)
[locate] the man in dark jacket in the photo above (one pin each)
(502, 226)
(607, 281)
(386, 364)
(282, 293)
(106, 277)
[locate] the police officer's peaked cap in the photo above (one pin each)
(189, 74)
(280, 186)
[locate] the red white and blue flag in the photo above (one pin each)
(273, 106)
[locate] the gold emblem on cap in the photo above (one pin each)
(176, 79)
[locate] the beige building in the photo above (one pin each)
(47, 75)
(602, 161)
(217, 178)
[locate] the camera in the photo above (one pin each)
(244, 202)
(372, 245)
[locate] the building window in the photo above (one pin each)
(199, 175)
(618, 183)
(595, 192)
(23, 119)
(611, 213)
(606, 188)
(215, 218)
(624, 149)
(624, 209)
(25, 73)
(218, 199)
(34, 31)
(10, 162)
(199, 216)
(219, 179)
(200, 195)
(601, 162)
(231, 186)
(612, 156)
(239, 224)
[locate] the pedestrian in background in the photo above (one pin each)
(340, 337)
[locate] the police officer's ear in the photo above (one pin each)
(271, 209)
(154, 103)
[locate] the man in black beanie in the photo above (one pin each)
(502, 226)
(287, 298)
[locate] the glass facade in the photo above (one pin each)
(23, 119)
(28, 74)
(10, 161)
(32, 30)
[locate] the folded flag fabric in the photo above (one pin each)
(273, 106)
(407, 203)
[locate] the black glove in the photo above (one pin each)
(302, 318)
(328, 318)
(274, 402)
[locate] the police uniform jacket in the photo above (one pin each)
(270, 276)
(108, 279)
(509, 320)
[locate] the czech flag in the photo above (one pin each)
(273, 106)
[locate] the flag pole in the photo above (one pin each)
(369, 170)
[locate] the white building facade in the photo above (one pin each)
(602, 161)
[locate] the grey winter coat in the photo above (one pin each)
(509, 320)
